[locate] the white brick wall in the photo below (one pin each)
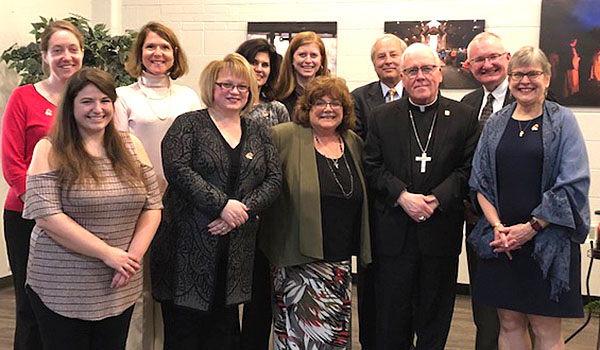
(208, 29)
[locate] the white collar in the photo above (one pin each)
(155, 81)
(499, 92)
(422, 107)
(385, 88)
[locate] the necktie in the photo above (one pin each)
(391, 94)
(486, 111)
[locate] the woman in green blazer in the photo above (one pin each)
(319, 221)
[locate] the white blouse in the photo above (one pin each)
(147, 110)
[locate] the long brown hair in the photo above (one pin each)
(249, 49)
(286, 82)
(68, 155)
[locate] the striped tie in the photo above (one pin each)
(486, 111)
(391, 95)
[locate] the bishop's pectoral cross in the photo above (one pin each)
(423, 159)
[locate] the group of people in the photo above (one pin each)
(270, 190)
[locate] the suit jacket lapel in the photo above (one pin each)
(375, 96)
(480, 94)
(404, 132)
(309, 196)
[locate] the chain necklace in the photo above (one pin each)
(423, 158)
(148, 99)
(336, 163)
(522, 130)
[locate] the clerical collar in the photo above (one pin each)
(422, 108)
(499, 92)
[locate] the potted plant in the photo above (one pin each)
(101, 50)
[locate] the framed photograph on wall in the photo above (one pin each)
(570, 37)
(449, 39)
(280, 33)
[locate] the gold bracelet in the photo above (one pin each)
(497, 224)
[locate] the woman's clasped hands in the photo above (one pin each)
(233, 215)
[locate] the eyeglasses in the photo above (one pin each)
(412, 72)
(322, 104)
(229, 87)
(532, 75)
(492, 58)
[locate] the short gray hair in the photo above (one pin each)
(414, 47)
(400, 42)
(529, 56)
(483, 36)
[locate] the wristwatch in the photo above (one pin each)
(535, 225)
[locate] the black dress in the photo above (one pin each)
(518, 284)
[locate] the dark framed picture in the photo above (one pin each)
(570, 37)
(280, 33)
(449, 39)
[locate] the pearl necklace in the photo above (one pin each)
(150, 94)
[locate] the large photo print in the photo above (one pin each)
(449, 39)
(570, 37)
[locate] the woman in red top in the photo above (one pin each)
(28, 116)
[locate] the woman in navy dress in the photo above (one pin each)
(531, 176)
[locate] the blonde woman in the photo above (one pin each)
(223, 171)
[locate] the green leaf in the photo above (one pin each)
(101, 50)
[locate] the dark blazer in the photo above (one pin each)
(386, 166)
(366, 98)
(475, 99)
(196, 165)
(291, 233)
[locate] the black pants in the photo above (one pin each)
(219, 328)
(257, 318)
(485, 317)
(414, 293)
(17, 232)
(188, 329)
(63, 333)
(365, 288)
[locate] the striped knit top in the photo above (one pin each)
(71, 284)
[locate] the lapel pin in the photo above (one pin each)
(250, 155)
(535, 127)
(446, 112)
(48, 112)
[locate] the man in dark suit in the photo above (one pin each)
(386, 55)
(488, 62)
(417, 160)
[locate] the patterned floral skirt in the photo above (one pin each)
(312, 306)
